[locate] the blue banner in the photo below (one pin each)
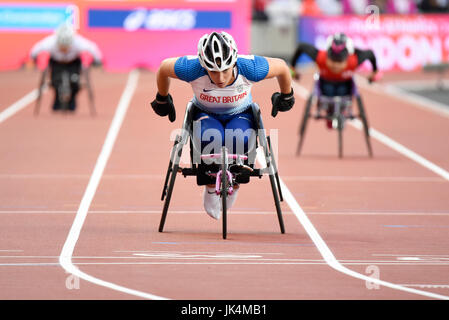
(158, 19)
(33, 18)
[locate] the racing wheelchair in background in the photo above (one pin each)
(65, 80)
(336, 110)
(223, 169)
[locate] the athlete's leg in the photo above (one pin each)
(74, 70)
(208, 133)
(240, 134)
(208, 137)
(55, 81)
(240, 138)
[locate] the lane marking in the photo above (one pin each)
(220, 256)
(389, 142)
(249, 212)
(363, 179)
(407, 255)
(412, 84)
(415, 100)
(237, 262)
(428, 286)
(286, 178)
(329, 257)
(18, 105)
(77, 176)
(197, 252)
(403, 150)
(325, 251)
(65, 258)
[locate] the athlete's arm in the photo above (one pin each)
(84, 44)
(42, 45)
(306, 48)
(279, 69)
(362, 56)
(163, 103)
(164, 73)
(285, 100)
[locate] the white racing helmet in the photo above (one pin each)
(217, 51)
(65, 35)
(339, 46)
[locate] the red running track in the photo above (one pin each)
(386, 217)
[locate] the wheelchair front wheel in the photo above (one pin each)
(303, 126)
(224, 188)
(340, 125)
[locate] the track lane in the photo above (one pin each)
(123, 188)
(184, 236)
(41, 160)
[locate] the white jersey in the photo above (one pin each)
(232, 99)
(79, 45)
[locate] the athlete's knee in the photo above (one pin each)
(208, 133)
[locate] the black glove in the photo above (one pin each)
(163, 105)
(282, 102)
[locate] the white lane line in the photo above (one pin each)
(324, 250)
(397, 92)
(178, 263)
(329, 257)
(18, 105)
(158, 212)
(65, 258)
(334, 178)
(402, 150)
(390, 142)
(428, 286)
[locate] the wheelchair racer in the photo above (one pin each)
(221, 80)
(65, 48)
(337, 64)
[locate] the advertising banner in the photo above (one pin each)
(130, 34)
(400, 42)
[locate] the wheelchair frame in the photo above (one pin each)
(339, 103)
(43, 83)
(174, 167)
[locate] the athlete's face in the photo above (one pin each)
(335, 66)
(222, 78)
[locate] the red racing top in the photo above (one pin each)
(346, 74)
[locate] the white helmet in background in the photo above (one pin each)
(65, 35)
(217, 51)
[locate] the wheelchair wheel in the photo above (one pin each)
(64, 91)
(362, 115)
(340, 125)
(224, 188)
(276, 173)
(86, 73)
(276, 187)
(40, 90)
(303, 126)
(170, 178)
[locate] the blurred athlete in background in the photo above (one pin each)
(65, 47)
(336, 64)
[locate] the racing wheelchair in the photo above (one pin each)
(336, 110)
(64, 80)
(223, 169)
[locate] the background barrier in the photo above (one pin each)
(129, 33)
(400, 42)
